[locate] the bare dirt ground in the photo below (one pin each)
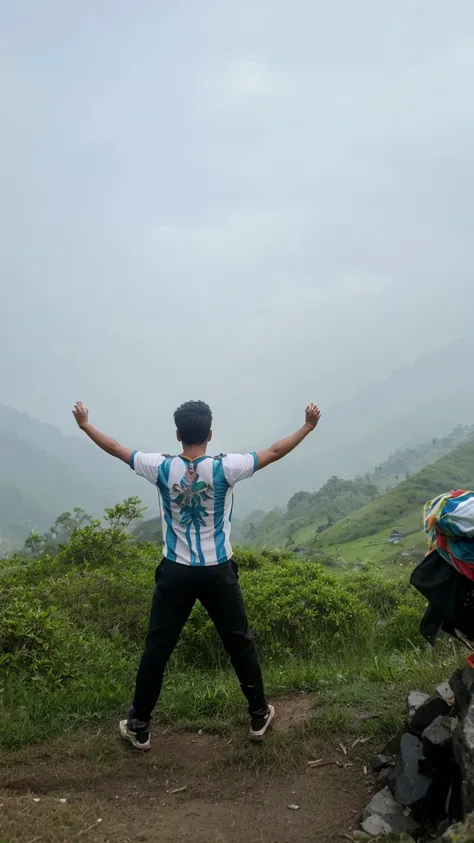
(90, 787)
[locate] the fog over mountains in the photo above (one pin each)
(45, 472)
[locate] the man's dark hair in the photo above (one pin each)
(193, 421)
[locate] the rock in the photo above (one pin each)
(375, 825)
(392, 747)
(446, 692)
(462, 683)
(415, 699)
(416, 785)
(381, 804)
(425, 714)
(410, 787)
(438, 739)
(380, 762)
(463, 747)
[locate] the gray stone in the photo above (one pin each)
(381, 804)
(463, 746)
(425, 714)
(415, 699)
(380, 762)
(462, 683)
(418, 784)
(410, 787)
(438, 739)
(375, 826)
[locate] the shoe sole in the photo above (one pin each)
(130, 737)
(260, 735)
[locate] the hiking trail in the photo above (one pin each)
(90, 786)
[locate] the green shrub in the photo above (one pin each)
(105, 602)
(381, 594)
(294, 609)
(30, 635)
(72, 626)
(403, 627)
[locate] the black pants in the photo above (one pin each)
(177, 589)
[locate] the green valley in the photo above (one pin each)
(352, 519)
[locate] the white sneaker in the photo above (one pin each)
(260, 725)
(139, 740)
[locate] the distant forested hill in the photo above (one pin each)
(44, 473)
(312, 513)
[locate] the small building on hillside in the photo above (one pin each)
(395, 536)
(300, 551)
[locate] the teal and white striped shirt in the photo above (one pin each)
(196, 499)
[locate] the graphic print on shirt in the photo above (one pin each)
(196, 509)
(191, 494)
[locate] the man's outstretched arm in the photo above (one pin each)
(280, 449)
(109, 445)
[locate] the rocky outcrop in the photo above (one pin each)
(463, 739)
(418, 766)
(427, 770)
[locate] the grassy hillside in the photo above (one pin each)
(312, 513)
(72, 625)
(364, 534)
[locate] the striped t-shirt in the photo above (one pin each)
(196, 499)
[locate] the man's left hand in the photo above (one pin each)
(80, 413)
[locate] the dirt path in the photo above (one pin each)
(91, 788)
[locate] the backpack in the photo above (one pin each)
(451, 599)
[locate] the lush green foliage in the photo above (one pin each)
(310, 516)
(72, 626)
(455, 470)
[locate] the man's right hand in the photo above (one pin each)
(313, 414)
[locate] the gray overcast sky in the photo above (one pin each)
(255, 202)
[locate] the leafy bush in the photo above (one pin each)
(381, 594)
(30, 635)
(294, 609)
(106, 602)
(72, 624)
(97, 546)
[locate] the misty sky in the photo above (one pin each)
(258, 203)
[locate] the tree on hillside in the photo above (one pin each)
(60, 533)
(78, 530)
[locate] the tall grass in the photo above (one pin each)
(72, 626)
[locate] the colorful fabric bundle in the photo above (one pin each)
(449, 523)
